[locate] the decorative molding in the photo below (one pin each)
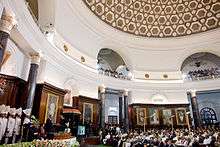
(165, 76)
(35, 58)
(125, 92)
(65, 64)
(7, 21)
(193, 93)
(147, 76)
(158, 18)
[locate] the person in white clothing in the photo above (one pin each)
(17, 128)
(10, 126)
(26, 124)
(4, 121)
(207, 140)
(2, 109)
(27, 113)
(118, 130)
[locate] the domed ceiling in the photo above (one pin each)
(158, 18)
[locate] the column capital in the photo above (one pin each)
(193, 93)
(102, 89)
(125, 92)
(35, 57)
(7, 21)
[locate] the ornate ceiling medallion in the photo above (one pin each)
(147, 76)
(165, 76)
(158, 18)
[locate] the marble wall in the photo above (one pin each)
(111, 105)
(18, 63)
(170, 96)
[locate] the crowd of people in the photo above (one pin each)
(17, 125)
(11, 124)
(204, 74)
(114, 74)
(114, 136)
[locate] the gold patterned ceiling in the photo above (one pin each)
(158, 18)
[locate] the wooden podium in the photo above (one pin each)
(48, 102)
(12, 91)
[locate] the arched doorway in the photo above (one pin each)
(208, 116)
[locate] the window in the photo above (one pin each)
(112, 119)
(208, 116)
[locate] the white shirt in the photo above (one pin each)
(207, 140)
(17, 125)
(26, 120)
(118, 130)
(108, 136)
(3, 126)
(10, 126)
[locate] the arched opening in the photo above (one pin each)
(201, 66)
(110, 63)
(208, 116)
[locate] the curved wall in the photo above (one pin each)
(141, 53)
(57, 67)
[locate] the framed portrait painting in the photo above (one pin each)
(154, 116)
(87, 112)
(51, 107)
(167, 114)
(141, 115)
(181, 116)
(68, 100)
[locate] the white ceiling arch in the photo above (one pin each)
(144, 54)
(139, 53)
(69, 68)
(214, 50)
(125, 59)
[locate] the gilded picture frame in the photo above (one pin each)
(167, 114)
(51, 107)
(154, 116)
(141, 114)
(181, 116)
(87, 112)
(68, 99)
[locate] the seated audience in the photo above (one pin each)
(209, 137)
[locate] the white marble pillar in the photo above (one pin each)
(7, 22)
